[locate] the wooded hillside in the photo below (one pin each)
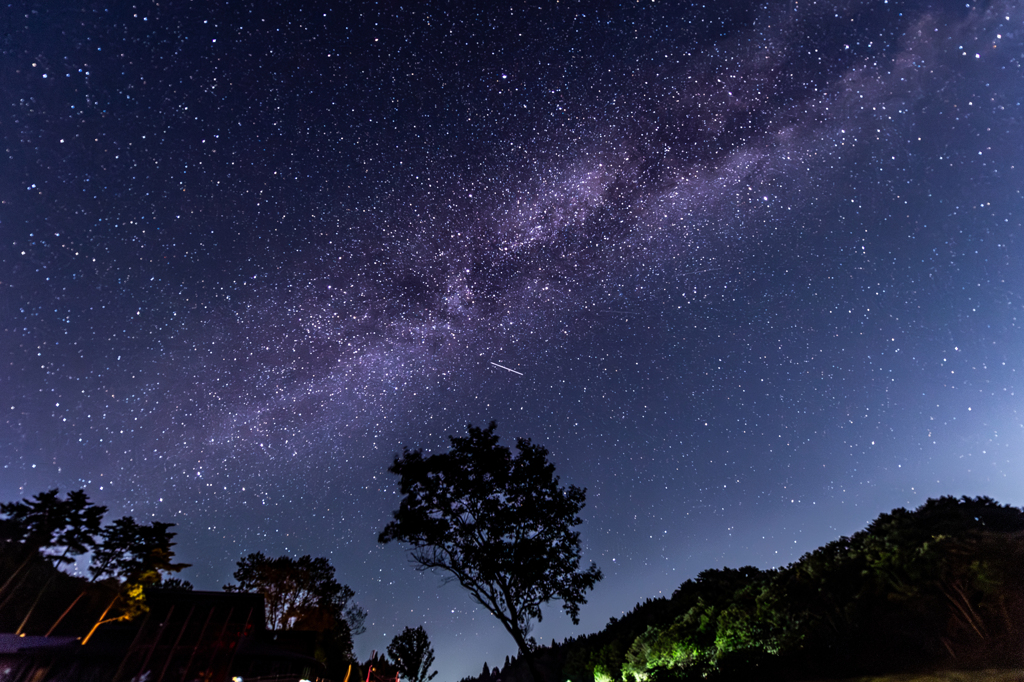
(938, 587)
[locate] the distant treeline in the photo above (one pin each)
(935, 588)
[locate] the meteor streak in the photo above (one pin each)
(507, 368)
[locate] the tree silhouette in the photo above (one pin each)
(412, 654)
(132, 556)
(135, 553)
(173, 584)
(48, 522)
(300, 594)
(499, 524)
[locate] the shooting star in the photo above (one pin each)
(507, 368)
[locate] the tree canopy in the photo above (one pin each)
(300, 594)
(130, 556)
(135, 553)
(412, 655)
(499, 523)
(938, 586)
(65, 526)
(303, 594)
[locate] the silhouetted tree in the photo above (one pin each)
(300, 594)
(173, 584)
(412, 654)
(135, 553)
(499, 523)
(303, 594)
(132, 557)
(355, 617)
(48, 522)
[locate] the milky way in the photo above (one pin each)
(751, 272)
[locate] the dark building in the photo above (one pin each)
(185, 636)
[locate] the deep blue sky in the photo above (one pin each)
(758, 268)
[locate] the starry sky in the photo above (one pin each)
(751, 271)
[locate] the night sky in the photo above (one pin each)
(755, 270)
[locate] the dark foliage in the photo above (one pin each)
(498, 523)
(48, 529)
(58, 590)
(303, 594)
(59, 529)
(173, 584)
(938, 587)
(134, 553)
(412, 655)
(300, 594)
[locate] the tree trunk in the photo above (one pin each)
(525, 652)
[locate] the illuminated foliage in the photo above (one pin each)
(915, 587)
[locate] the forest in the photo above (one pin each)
(939, 587)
